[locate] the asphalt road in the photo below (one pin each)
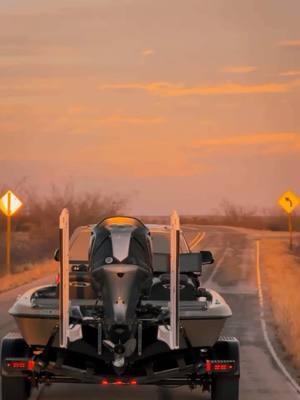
(234, 276)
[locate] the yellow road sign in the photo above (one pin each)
(10, 203)
(289, 201)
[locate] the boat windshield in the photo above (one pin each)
(80, 242)
(161, 242)
(79, 246)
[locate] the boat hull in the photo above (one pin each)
(203, 332)
(202, 326)
(37, 331)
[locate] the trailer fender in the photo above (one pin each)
(228, 348)
(13, 346)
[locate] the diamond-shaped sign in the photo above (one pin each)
(289, 201)
(10, 203)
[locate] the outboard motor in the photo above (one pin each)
(120, 261)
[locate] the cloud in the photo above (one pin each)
(34, 86)
(172, 90)
(132, 120)
(243, 69)
(83, 124)
(290, 73)
(289, 43)
(88, 115)
(147, 52)
(278, 142)
(77, 120)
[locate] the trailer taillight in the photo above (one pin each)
(16, 364)
(30, 365)
(20, 364)
(118, 382)
(216, 366)
(57, 279)
(208, 366)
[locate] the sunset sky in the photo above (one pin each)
(178, 104)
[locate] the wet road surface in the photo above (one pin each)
(234, 276)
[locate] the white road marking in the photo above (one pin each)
(216, 269)
(199, 234)
(264, 324)
(197, 239)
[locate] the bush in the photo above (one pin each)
(35, 228)
(230, 214)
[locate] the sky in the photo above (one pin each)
(175, 104)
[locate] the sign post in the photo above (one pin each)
(9, 205)
(289, 201)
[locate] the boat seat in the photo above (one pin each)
(161, 288)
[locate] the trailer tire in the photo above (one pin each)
(15, 388)
(225, 388)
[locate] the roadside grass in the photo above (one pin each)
(275, 223)
(28, 273)
(281, 268)
(35, 232)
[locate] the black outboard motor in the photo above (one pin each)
(120, 261)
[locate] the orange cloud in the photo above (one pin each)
(172, 90)
(74, 119)
(83, 113)
(147, 52)
(290, 73)
(145, 156)
(277, 142)
(33, 84)
(289, 43)
(80, 124)
(120, 119)
(243, 69)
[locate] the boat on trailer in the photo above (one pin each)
(125, 314)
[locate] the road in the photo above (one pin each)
(234, 276)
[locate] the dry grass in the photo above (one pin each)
(231, 214)
(35, 227)
(30, 272)
(282, 281)
(261, 222)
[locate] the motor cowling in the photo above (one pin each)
(121, 287)
(120, 260)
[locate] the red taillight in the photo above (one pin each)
(219, 366)
(208, 366)
(119, 382)
(16, 364)
(223, 367)
(57, 279)
(30, 365)
(20, 364)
